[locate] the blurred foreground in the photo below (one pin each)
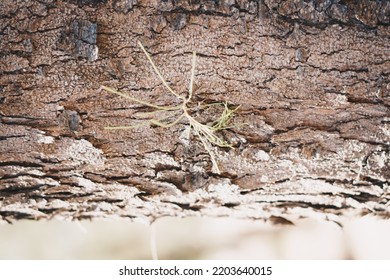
(196, 238)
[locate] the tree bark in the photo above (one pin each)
(311, 136)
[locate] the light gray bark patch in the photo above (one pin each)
(123, 6)
(80, 40)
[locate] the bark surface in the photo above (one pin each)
(311, 137)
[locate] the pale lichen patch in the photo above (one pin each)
(46, 140)
(261, 155)
(153, 159)
(81, 152)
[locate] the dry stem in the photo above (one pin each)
(205, 133)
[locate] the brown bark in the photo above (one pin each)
(311, 137)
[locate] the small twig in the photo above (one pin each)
(158, 72)
(191, 86)
(140, 101)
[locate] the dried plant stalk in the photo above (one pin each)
(205, 133)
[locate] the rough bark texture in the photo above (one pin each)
(311, 136)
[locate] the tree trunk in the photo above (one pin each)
(310, 139)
